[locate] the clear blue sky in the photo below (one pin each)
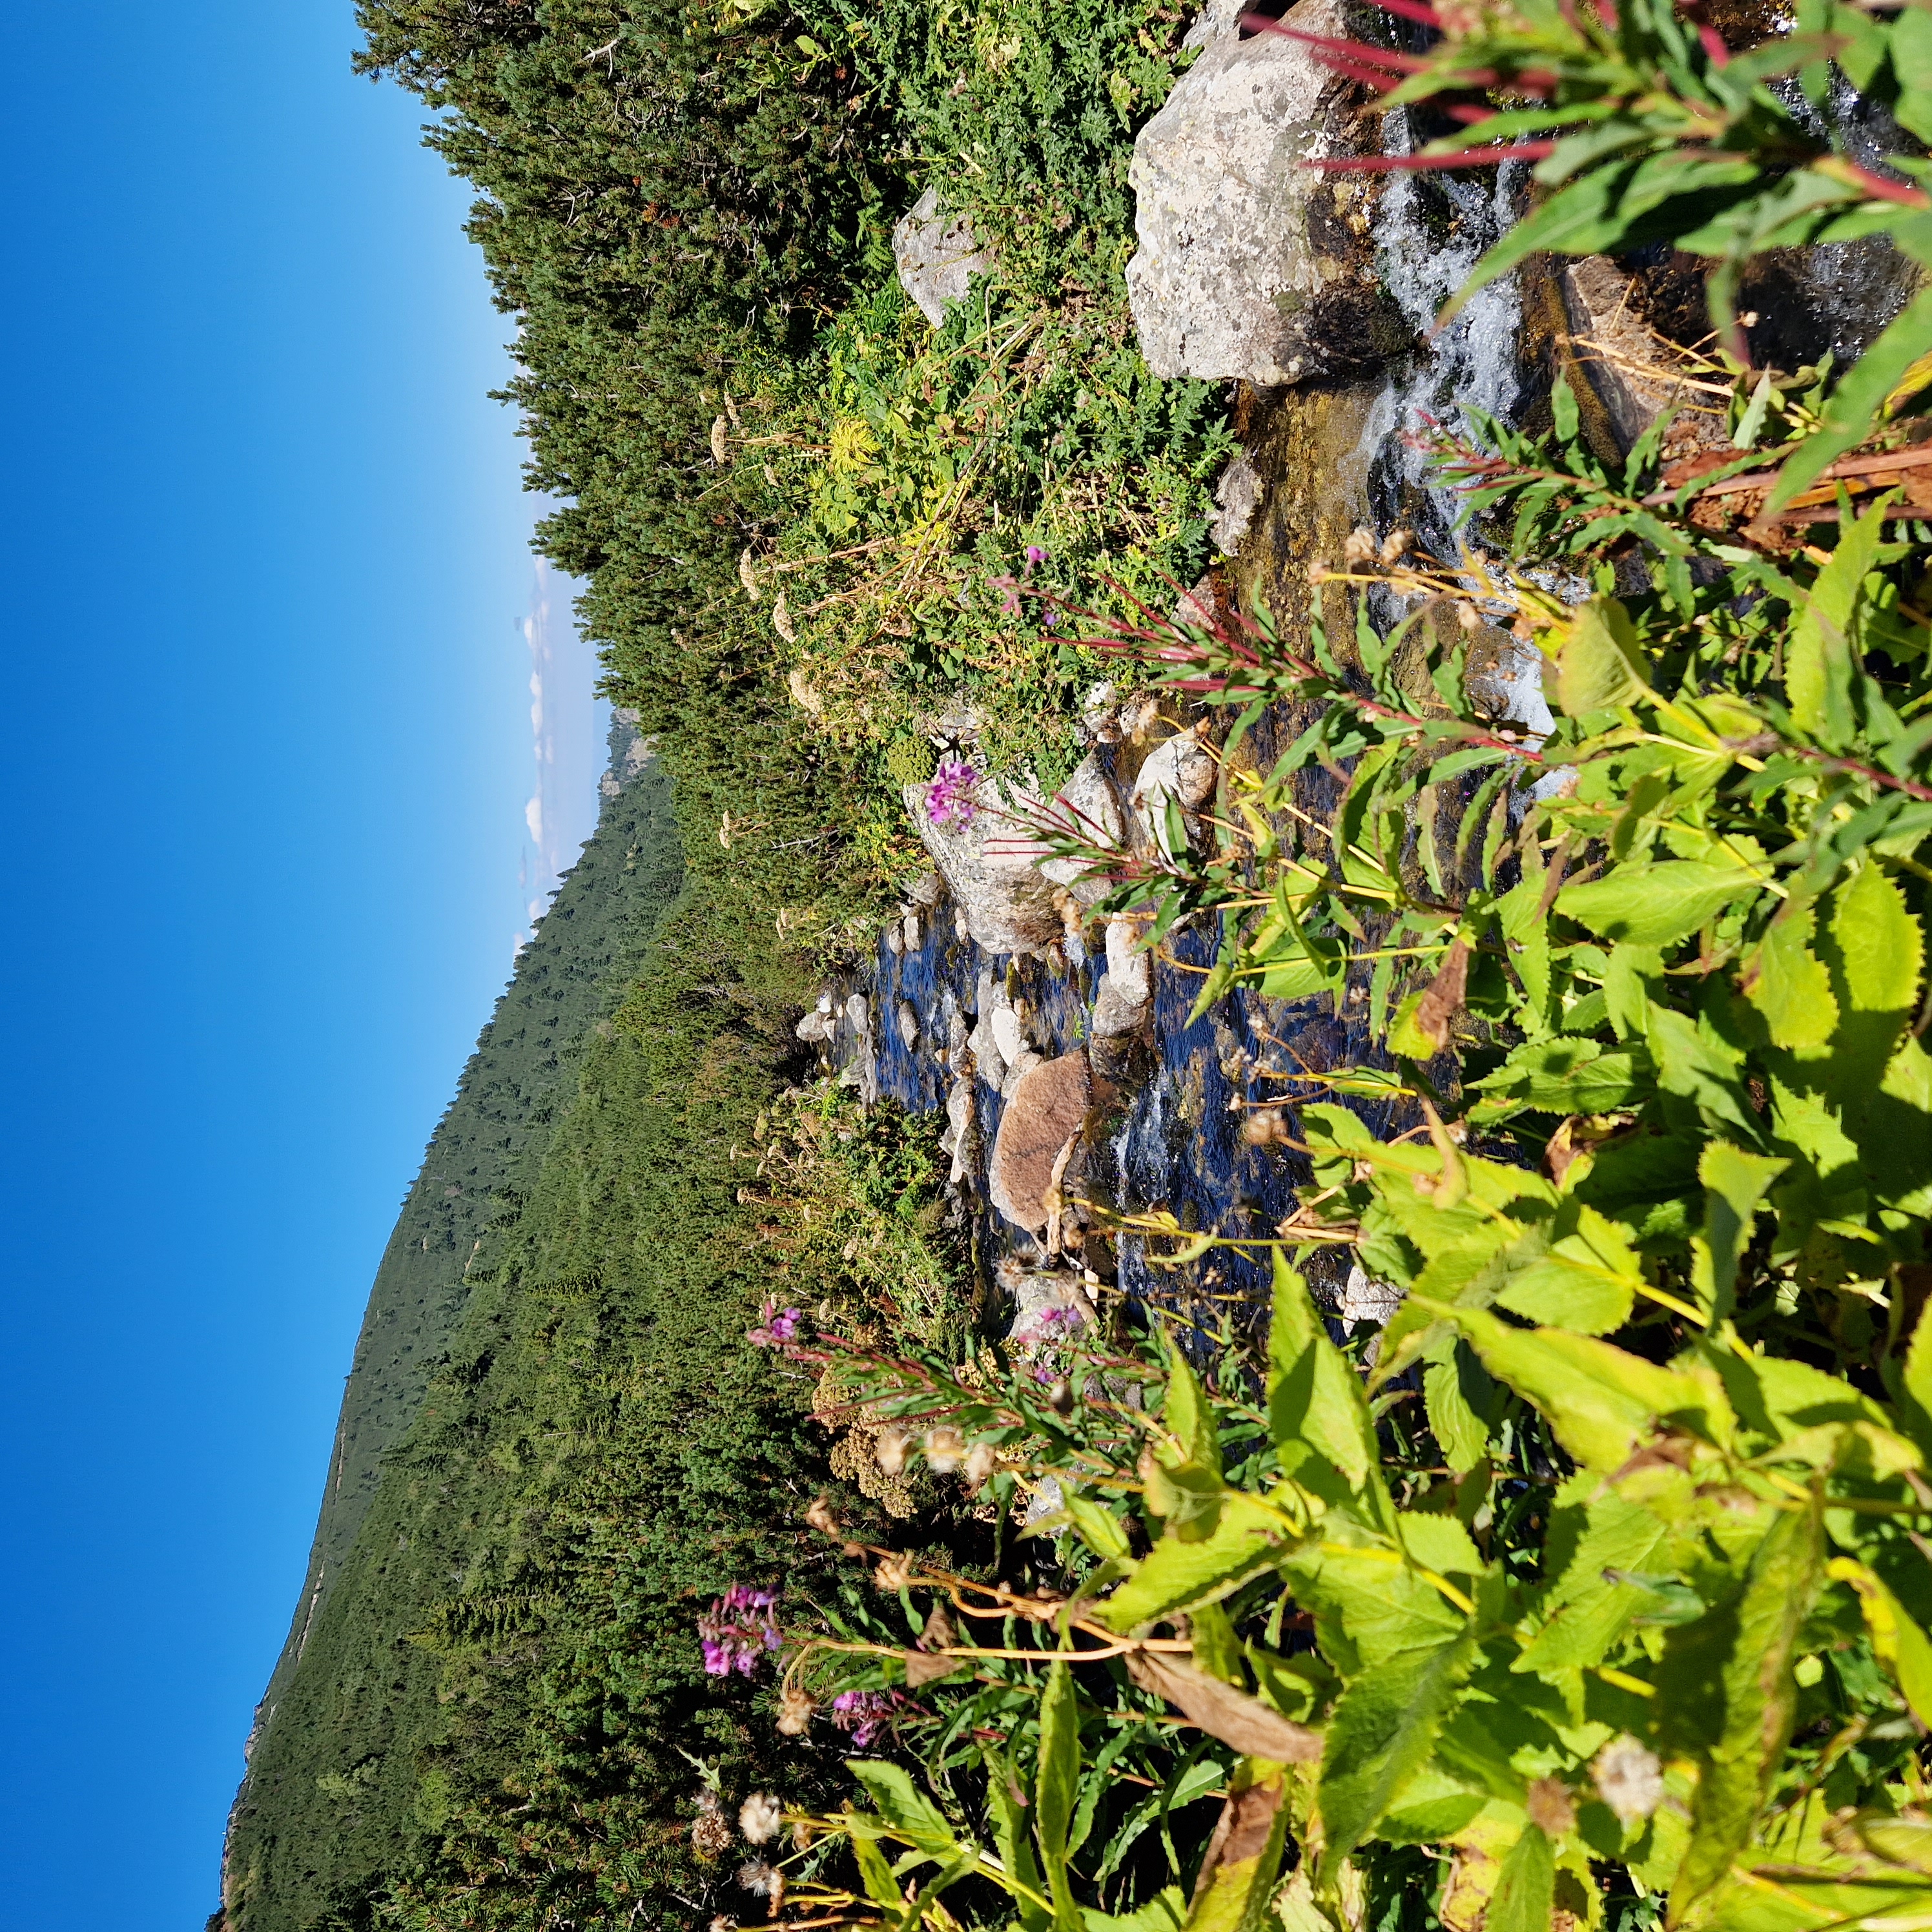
(268, 751)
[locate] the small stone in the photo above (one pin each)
(910, 934)
(1010, 1041)
(908, 1025)
(937, 256)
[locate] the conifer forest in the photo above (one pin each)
(1209, 1211)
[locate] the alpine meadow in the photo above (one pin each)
(1209, 1211)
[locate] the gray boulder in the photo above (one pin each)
(988, 865)
(938, 257)
(1248, 266)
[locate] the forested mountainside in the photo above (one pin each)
(1398, 1399)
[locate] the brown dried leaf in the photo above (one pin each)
(1237, 1719)
(922, 1667)
(1446, 992)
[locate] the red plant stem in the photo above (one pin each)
(1359, 51)
(1411, 10)
(1469, 157)
(1870, 773)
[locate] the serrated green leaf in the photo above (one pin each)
(1735, 1182)
(1014, 1844)
(909, 1812)
(1726, 1692)
(1880, 945)
(1585, 1280)
(1788, 985)
(1381, 1735)
(1243, 1857)
(1315, 1398)
(1654, 904)
(1438, 1542)
(1821, 654)
(1601, 1401)
(1902, 1646)
(1176, 1576)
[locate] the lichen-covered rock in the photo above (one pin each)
(938, 257)
(988, 865)
(1181, 770)
(1249, 266)
(1044, 1111)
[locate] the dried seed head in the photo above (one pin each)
(759, 1816)
(894, 1573)
(1360, 547)
(795, 1710)
(1264, 1127)
(1550, 1807)
(978, 1465)
(1469, 617)
(821, 1517)
(1629, 1780)
(1060, 1397)
(1396, 546)
(761, 1876)
(944, 1447)
(891, 1451)
(710, 1836)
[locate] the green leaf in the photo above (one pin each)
(1176, 1576)
(1014, 1847)
(1525, 1894)
(1586, 1280)
(1315, 1397)
(1741, 1649)
(1098, 1527)
(1880, 945)
(1691, 1062)
(1163, 1912)
(1788, 985)
(1591, 1612)
(1602, 1402)
(1438, 1542)
(1458, 1430)
(1243, 1857)
(1599, 665)
(1217, 1650)
(1735, 1184)
(906, 1809)
(1380, 1734)
(1820, 657)
(1654, 904)
(1911, 63)
(1057, 1789)
(1902, 1646)
(875, 1871)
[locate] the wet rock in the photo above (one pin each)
(1365, 1299)
(1127, 994)
(1237, 495)
(1219, 20)
(1180, 769)
(1022, 1064)
(859, 1011)
(1007, 905)
(1045, 1110)
(1009, 1040)
(909, 935)
(938, 257)
(957, 1141)
(927, 890)
(1626, 364)
(1246, 267)
(895, 939)
(816, 1028)
(908, 1025)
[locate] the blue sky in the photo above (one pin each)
(268, 757)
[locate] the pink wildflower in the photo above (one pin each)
(1034, 554)
(949, 798)
(739, 1629)
(866, 1713)
(779, 1326)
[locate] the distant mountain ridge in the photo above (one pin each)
(485, 1151)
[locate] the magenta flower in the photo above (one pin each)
(1035, 555)
(949, 798)
(779, 1326)
(866, 1713)
(740, 1629)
